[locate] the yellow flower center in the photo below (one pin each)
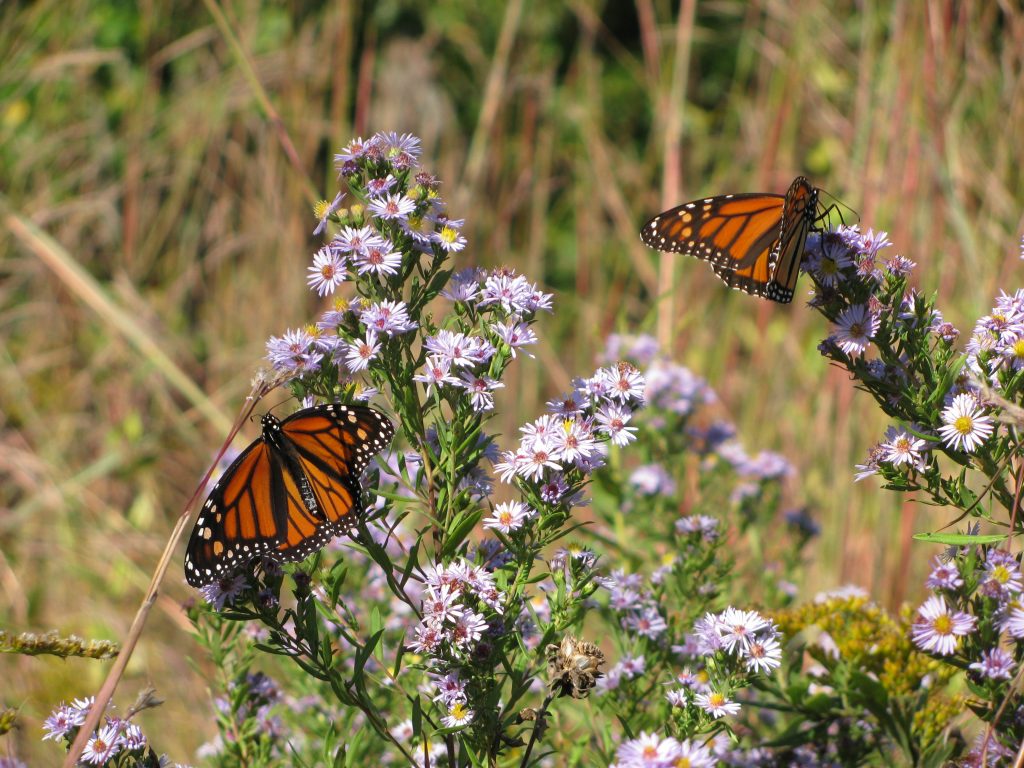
(964, 425)
(943, 625)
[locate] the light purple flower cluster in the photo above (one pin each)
(745, 639)
(648, 750)
(939, 626)
(636, 606)
(114, 737)
(572, 435)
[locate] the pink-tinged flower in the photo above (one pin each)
(392, 207)
(569, 404)
(573, 441)
(694, 755)
(427, 639)
(647, 622)
(464, 285)
(936, 629)
(624, 383)
(60, 723)
(102, 746)
(509, 290)
(509, 465)
(401, 150)
(468, 628)
(380, 187)
(516, 335)
(763, 655)
(872, 242)
(716, 704)
(855, 327)
(967, 426)
(540, 455)
(648, 749)
(379, 259)
(459, 349)
(355, 239)
(705, 525)
(613, 420)
(479, 386)
(508, 516)
(902, 447)
(458, 715)
(358, 354)
(944, 576)
(436, 371)
(223, 591)
(439, 605)
(1002, 577)
(354, 150)
(295, 352)
(450, 688)
(738, 628)
(390, 317)
(995, 664)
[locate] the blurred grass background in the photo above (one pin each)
(137, 138)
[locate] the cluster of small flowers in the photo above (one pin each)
(745, 639)
(571, 435)
(454, 629)
(638, 610)
(507, 304)
(938, 625)
(117, 736)
(648, 750)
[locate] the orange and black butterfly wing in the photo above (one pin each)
(746, 238)
(332, 445)
(240, 519)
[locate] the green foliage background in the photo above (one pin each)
(172, 151)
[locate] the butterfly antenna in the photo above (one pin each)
(837, 205)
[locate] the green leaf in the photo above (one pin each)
(960, 539)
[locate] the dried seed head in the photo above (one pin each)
(573, 667)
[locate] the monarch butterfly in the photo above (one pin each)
(754, 241)
(290, 492)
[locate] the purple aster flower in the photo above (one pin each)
(944, 576)
(439, 605)
(428, 639)
(458, 715)
(739, 628)
(540, 455)
(436, 371)
(352, 240)
(379, 258)
(706, 526)
(995, 664)
(508, 516)
(60, 723)
(402, 150)
(390, 317)
(1002, 576)
(716, 704)
(449, 237)
(651, 479)
(358, 354)
(575, 440)
(872, 242)
(516, 335)
(102, 746)
(967, 426)
(223, 591)
(613, 420)
(855, 327)
(294, 352)
(763, 655)
(900, 266)
(392, 207)
(479, 387)
(833, 258)
(355, 150)
(647, 622)
(467, 628)
(324, 212)
(450, 688)
(902, 447)
(464, 285)
(459, 349)
(936, 629)
(554, 488)
(624, 382)
(569, 404)
(511, 291)
(380, 187)
(648, 750)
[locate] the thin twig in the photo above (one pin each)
(260, 388)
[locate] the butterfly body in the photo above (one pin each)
(289, 493)
(753, 241)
